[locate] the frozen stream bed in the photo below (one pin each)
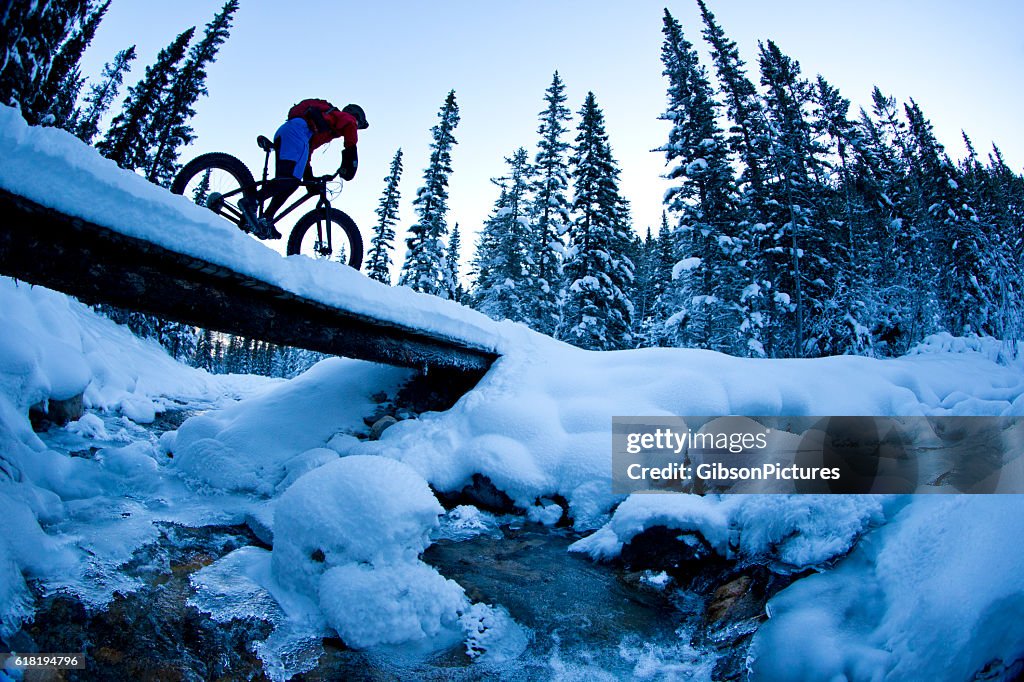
(571, 618)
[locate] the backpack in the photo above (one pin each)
(313, 111)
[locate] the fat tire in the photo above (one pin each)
(220, 161)
(336, 218)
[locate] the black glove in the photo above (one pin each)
(307, 175)
(349, 163)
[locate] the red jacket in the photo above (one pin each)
(326, 121)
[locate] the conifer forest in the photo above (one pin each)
(794, 225)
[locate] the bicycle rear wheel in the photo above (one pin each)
(217, 181)
(337, 239)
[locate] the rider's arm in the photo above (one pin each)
(349, 163)
(339, 124)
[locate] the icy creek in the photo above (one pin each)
(567, 616)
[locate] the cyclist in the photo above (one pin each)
(311, 123)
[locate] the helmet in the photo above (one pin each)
(359, 114)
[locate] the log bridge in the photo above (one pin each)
(43, 246)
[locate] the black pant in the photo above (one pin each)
(281, 187)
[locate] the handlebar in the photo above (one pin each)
(320, 181)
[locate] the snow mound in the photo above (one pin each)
(355, 510)
(389, 604)
(267, 441)
(933, 595)
(348, 537)
(789, 532)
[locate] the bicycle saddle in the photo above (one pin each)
(264, 142)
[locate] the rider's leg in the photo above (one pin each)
(280, 188)
(292, 143)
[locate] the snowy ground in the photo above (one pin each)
(932, 582)
(905, 585)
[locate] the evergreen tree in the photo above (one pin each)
(204, 352)
(378, 265)
(423, 269)
(858, 234)
(707, 282)
(456, 292)
(504, 256)
(747, 135)
(202, 190)
(968, 259)
(59, 91)
(644, 296)
(890, 250)
(169, 127)
(664, 298)
(102, 95)
(129, 140)
(550, 207)
(748, 139)
(598, 312)
(30, 47)
(62, 112)
(799, 241)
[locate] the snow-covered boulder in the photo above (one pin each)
(348, 536)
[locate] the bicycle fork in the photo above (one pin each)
(323, 219)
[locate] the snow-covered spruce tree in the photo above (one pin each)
(1004, 269)
(746, 136)
(597, 313)
(32, 33)
(663, 289)
(800, 241)
(759, 306)
(504, 255)
(861, 227)
(424, 266)
(456, 291)
(62, 112)
(202, 191)
(1003, 198)
(644, 255)
(101, 95)
(704, 294)
(128, 141)
(170, 129)
(967, 256)
(58, 93)
(891, 252)
(1004, 193)
(550, 207)
(378, 264)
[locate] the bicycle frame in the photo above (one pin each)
(323, 205)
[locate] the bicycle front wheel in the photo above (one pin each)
(331, 234)
(217, 181)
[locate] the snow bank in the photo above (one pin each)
(790, 532)
(347, 540)
(349, 536)
(933, 595)
(539, 424)
(256, 445)
(53, 347)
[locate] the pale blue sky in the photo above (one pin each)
(961, 61)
